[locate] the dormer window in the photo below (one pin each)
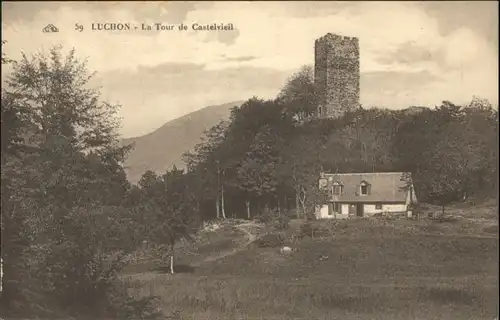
(364, 188)
(337, 188)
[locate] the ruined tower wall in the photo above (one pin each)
(336, 74)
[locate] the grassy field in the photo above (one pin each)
(354, 269)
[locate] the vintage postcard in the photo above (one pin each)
(249, 160)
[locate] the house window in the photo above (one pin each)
(364, 188)
(337, 189)
(378, 206)
(320, 111)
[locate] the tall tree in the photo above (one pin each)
(257, 172)
(300, 166)
(167, 209)
(15, 237)
(298, 93)
(206, 161)
(74, 163)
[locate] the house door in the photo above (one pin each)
(330, 208)
(359, 209)
(352, 209)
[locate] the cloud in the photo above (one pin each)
(169, 69)
(402, 88)
(177, 12)
(240, 59)
(479, 16)
(410, 52)
(172, 12)
(225, 37)
(463, 47)
(151, 96)
(398, 80)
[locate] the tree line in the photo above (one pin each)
(268, 156)
(70, 218)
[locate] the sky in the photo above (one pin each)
(412, 53)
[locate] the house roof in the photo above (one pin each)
(384, 186)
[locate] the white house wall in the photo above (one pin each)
(345, 209)
(322, 213)
(370, 209)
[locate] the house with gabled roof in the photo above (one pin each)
(365, 194)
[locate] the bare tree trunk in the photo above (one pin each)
(411, 194)
(222, 202)
(247, 203)
(297, 205)
(171, 259)
(218, 189)
(279, 208)
(217, 206)
(303, 201)
(303, 205)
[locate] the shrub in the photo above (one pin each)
(122, 305)
(79, 265)
(282, 223)
(446, 219)
(270, 241)
(306, 230)
(267, 215)
(316, 229)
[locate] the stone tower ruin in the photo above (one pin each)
(336, 75)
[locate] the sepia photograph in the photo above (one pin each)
(249, 160)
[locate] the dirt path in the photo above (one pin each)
(245, 228)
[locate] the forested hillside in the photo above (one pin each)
(270, 153)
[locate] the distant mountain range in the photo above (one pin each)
(163, 148)
(414, 110)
